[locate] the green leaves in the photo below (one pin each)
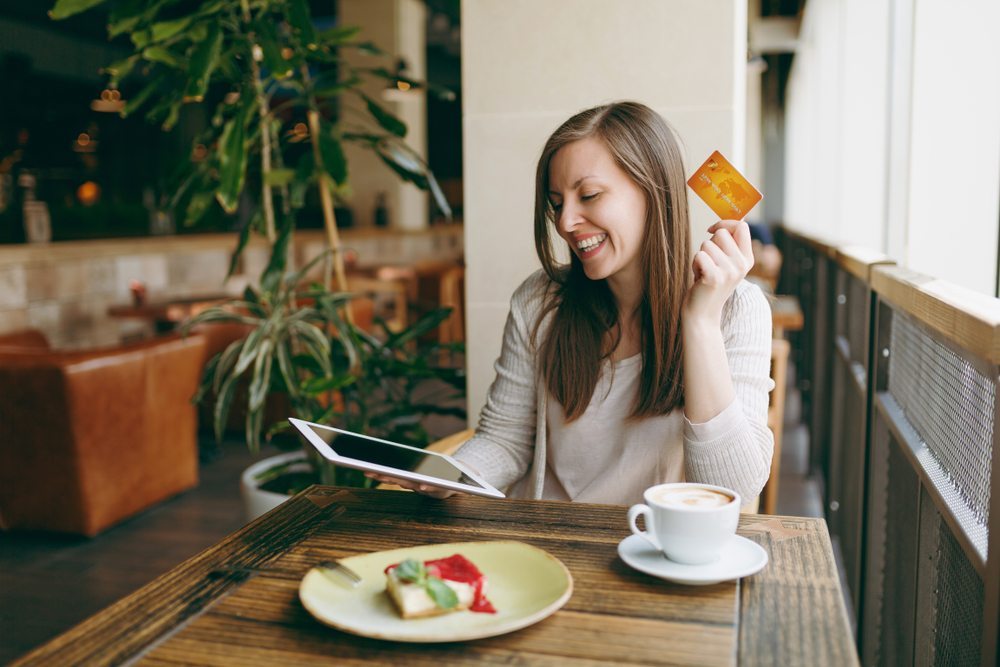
(268, 40)
(66, 8)
(241, 243)
(323, 88)
(270, 281)
(123, 26)
(162, 54)
(339, 34)
(233, 156)
(412, 571)
(301, 21)
(440, 92)
(384, 118)
(164, 30)
(441, 593)
(304, 172)
(182, 50)
(204, 58)
(198, 207)
(279, 177)
(287, 344)
(121, 69)
(425, 324)
(298, 343)
(332, 154)
(304, 345)
(232, 164)
(143, 95)
(410, 167)
(261, 379)
(322, 385)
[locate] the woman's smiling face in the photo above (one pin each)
(599, 210)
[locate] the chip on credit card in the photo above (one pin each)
(723, 188)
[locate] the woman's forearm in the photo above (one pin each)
(708, 384)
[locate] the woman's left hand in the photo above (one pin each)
(721, 263)
(423, 489)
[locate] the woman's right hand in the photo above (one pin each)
(423, 489)
(723, 261)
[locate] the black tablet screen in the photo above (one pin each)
(359, 447)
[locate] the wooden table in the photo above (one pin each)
(168, 314)
(791, 613)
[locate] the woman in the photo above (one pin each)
(626, 368)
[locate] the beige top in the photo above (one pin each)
(512, 447)
(602, 457)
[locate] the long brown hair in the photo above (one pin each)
(586, 315)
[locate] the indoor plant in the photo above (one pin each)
(330, 370)
(272, 81)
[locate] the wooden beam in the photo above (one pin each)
(968, 319)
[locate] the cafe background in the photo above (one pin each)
(886, 144)
(867, 124)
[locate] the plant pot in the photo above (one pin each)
(297, 473)
(258, 501)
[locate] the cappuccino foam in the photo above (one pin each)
(692, 496)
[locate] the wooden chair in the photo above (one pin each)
(453, 296)
(450, 444)
(384, 295)
(442, 285)
(446, 445)
(775, 420)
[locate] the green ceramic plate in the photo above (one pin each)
(525, 585)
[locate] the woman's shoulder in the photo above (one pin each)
(531, 294)
(531, 299)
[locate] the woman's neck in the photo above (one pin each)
(627, 291)
(628, 295)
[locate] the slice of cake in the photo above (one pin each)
(437, 587)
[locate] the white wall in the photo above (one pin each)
(862, 108)
(753, 161)
(753, 138)
(893, 120)
(814, 140)
(526, 67)
(955, 142)
(900, 90)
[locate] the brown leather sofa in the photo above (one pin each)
(88, 438)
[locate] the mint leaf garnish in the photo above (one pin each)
(411, 570)
(441, 593)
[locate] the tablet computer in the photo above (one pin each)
(363, 452)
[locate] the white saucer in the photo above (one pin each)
(741, 558)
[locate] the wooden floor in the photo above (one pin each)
(50, 583)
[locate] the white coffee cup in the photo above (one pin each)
(689, 522)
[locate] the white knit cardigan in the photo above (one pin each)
(732, 449)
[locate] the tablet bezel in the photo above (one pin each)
(305, 428)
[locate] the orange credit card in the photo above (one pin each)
(723, 188)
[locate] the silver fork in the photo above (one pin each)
(327, 568)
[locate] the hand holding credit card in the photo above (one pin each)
(723, 188)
